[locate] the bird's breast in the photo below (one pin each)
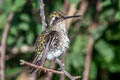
(59, 46)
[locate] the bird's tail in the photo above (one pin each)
(36, 61)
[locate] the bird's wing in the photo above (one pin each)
(42, 46)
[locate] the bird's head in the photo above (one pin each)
(57, 17)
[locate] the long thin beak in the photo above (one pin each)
(68, 17)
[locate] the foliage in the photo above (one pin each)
(26, 26)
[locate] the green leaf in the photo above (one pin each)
(25, 17)
(76, 46)
(80, 44)
(13, 30)
(3, 20)
(105, 51)
(117, 16)
(97, 33)
(114, 68)
(76, 56)
(12, 71)
(20, 41)
(58, 5)
(10, 40)
(112, 33)
(76, 60)
(6, 6)
(119, 4)
(106, 3)
(24, 26)
(93, 71)
(18, 4)
(35, 4)
(107, 15)
(39, 29)
(30, 38)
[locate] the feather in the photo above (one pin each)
(40, 58)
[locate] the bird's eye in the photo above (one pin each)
(56, 18)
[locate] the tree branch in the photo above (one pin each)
(3, 46)
(91, 41)
(65, 72)
(42, 15)
(22, 62)
(66, 6)
(88, 58)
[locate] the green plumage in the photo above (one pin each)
(41, 43)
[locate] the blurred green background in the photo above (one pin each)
(101, 20)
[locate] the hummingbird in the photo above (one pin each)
(54, 38)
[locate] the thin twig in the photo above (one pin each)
(22, 62)
(42, 14)
(83, 7)
(3, 46)
(91, 41)
(66, 6)
(88, 59)
(65, 72)
(70, 13)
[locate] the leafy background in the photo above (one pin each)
(26, 26)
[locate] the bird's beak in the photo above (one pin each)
(68, 17)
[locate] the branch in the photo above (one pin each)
(66, 6)
(42, 14)
(91, 41)
(70, 13)
(83, 7)
(65, 72)
(88, 59)
(22, 62)
(3, 46)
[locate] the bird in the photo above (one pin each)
(53, 41)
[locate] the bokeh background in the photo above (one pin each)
(95, 37)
